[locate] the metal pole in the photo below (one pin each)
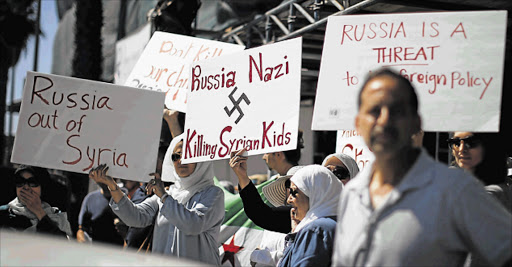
(11, 110)
(437, 146)
(38, 23)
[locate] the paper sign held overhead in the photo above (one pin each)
(246, 100)
(454, 59)
(74, 125)
(165, 64)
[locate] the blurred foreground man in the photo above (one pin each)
(406, 209)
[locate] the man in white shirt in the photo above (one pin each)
(406, 209)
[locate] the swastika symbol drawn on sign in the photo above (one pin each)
(236, 105)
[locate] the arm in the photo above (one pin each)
(171, 117)
(313, 246)
(46, 225)
(206, 213)
(83, 221)
(274, 219)
(238, 163)
(139, 215)
(483, 222)
(33, 202)
(99, 175)
(266, 217)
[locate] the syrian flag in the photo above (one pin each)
(238, 234)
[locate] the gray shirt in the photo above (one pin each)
(434, 217)
(190, 231)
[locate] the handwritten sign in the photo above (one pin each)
(454, 60)
(352, 144)
(165, 64)
(128, 51)
(245, 100)
(74, 124)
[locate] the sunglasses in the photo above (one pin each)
(32, 182)
(294, 192)
(341, 172)
(175, 157)
(469, 142)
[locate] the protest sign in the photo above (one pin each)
(352, 144)
(245, 100)
(454, 59)
(165, 64)
(128, 51)
(74, 125)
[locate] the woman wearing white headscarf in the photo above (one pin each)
(342, 165)
(314, 195)
(186, 218)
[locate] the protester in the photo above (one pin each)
(186, 218)
(314, 195)
(96, 221)
(481, 154)
(342, 165)
(282, 161)
(275, 219)
(136, 237)
(405, 209)
(28, 211)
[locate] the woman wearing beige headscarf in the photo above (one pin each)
(342, 165)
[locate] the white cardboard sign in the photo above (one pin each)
(128, 51)
(165, 64)
(352, 144)
(74, 124)
(454, 59)
(246, 100)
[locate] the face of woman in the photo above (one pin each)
(29, 183)
(183, 170)
(468, 154)
(299, 202)
(339, 169)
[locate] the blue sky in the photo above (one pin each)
(49, 22)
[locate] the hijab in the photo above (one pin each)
(185, 187)
(349, 162)
(322, 188)
(54, 214)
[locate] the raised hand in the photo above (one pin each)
(99, 175)
(238, 163)
(155, 185)
(32, 201)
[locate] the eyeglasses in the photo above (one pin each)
(294, 192)
(32, 182)
(175, 157)
(469, 142)
(340, 172)
(287, 184)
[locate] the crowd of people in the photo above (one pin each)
(404, 209)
